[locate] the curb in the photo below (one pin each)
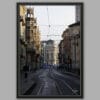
(28, 91)
(74, 75)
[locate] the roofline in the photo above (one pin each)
(74, 24)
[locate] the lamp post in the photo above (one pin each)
(26, 52)
(73, 38)
(74, 50)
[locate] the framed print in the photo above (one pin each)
(49, 50)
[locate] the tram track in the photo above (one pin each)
(50, 83)
(63, 86)
(46, 87)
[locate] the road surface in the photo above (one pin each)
(50, 82)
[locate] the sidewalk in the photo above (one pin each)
(26, 84)
(69, 73)
(72, 74)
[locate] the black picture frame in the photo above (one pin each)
(82, 48)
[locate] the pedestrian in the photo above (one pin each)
(70, 64)
(26, 69)
(69, 61)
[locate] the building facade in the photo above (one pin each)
(66, 45)
(33, 39)
(75, 46)
(22, 42)
(49, 52)
(61, 53)
(65, 51)
(43, 52)
(78, 13)
(69, 48)
(28, 45)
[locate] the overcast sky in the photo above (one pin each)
(53, 20)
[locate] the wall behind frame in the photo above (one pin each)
(8, 48)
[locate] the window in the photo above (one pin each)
(31, 31)
(27, 31)
(28, 23)
(31, 23)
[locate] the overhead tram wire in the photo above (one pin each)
(48, 39)
(49, 35)
(50, 26)
(53, 25)
(48, 20)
